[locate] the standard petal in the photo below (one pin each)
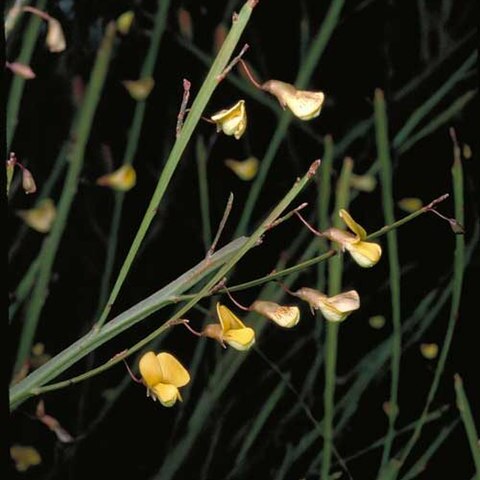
(366, 254)
(166, 394)
(331, 313)
(173, 372)
(285, 316)
(240, 339)
(232, 121)
(245, 170)
(346, 302)
(150, 369)
(228, 319)
(306, 105)
(352, 224)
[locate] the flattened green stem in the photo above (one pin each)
(468, 422)
(202, 159)
(193, 118)
(392, 469)
(383, 152)
(335, 270)
(52, 242)
(18, 83)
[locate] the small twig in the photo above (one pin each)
(183, 106)
(287, 216)
(250, 76)
(39, 13)
(188, 327)
(226, 214)
(229, 67)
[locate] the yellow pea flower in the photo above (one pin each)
(410, 204)
(363, 183)
(124, 21)
(366, 254)
(246, 169)
(334, 309)
(302, 103)
(233, 120)
(122, 179)
(24, 457)
(285, 316)
(139, 89)
(41, 217)
(28, 182)
(230, 330)
(163, 374)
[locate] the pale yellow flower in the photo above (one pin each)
(233, 120)
(122, 179)
(24, 457)
(303, 104)
(163, 375)
(139, 89)
(55, 40)
(377, 322)
(366, 254)
(410, 204)
(334, 309)
(246, 169)
(363, 183)
(28, 182)
(124, 21)
(285, 316)
(41, 217)
(230, 330)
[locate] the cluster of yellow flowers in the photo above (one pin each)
(163, 374)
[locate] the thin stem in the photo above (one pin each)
(221, 226)
(239, 305)
(250, 76)
(183, 106)
(288, 215)
(202, 159)
(235, 60)
(383, 152)
(334, 287)
(315, 232)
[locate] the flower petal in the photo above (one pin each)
(366, 254)
(40, 218)
(122, 179)
(346, 301)
(124, 21)
(24, 457)
(331, 313)
(55, 37)
(352, 224)
(173, 372)
(139, 89)
(228, 320)
(245, 170)
(240, 339)
(150, 369)
(166, 394)
(285, 316)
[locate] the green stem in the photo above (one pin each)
(52, 242)
(392, 469)
(202, 158)
(18, 83)
(468, 422)
(334, 287)
(383, 151)
(193, 118)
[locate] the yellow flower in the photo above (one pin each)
(55, 37)
(303, 103)
(41, 217)
(334, 309)
(410, 204)
(24, 457)
(122, 179)
(28, 182)
(363, 183)
(366, 254)
(232, 121)
(124, 22)
(429, 350)
(285, 316)
(377, 322)
(245, 170)
(163, 374)
(139, 89)
(231, 330)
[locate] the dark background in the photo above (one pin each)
(376, 45)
